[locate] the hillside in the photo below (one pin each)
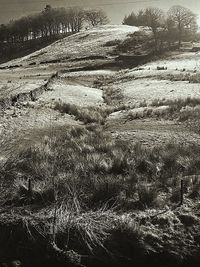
(15, 50)
(80, 48)
(31, 78)
(92, 155)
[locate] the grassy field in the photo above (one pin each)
(79, 192)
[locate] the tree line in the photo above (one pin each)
(50, 22)
(177, 25)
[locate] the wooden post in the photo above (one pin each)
(182, 192)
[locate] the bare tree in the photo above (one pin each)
(167, 35)
(184, 20)
(76, 17)
(151, 17)
(96, 17)
(49, 23)
(154, 20)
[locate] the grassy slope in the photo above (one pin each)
(12, 51)
(83, 45)
(78, 195)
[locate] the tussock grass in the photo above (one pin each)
(113, 43)
(97, 168)
(86, 115)
(112, 96)
(81, 179)
(177, 103)
(91, 227)
(148, 195)
(79, 160)
(190, 113)
(190, 77)
(149, 112)
(181, 109)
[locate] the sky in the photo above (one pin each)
(115, 9)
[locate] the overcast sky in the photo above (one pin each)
(116, 9)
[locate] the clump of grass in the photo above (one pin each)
(149, 112)
(91, 228)
(86, 115)
(195, 78)
(195, 192)
(112, 96)
(183, 109)
(113, 43)
(148, 195)
(189, 113)
(192, 78)
(107, 189)
(177, 103)
(66, 108)
(143, 104)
